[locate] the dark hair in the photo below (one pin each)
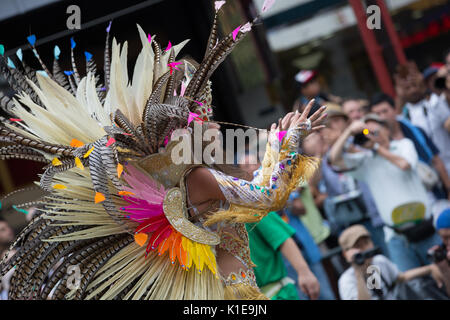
(379, 98)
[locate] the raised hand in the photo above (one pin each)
(297, 120)
(311, 124)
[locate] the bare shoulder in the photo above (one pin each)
(201, 180)
(199, 175)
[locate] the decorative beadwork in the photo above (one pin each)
(243, 276)
(174, 209)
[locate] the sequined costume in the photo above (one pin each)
(117, 209)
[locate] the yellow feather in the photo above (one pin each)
(79, 164)
(200, 256)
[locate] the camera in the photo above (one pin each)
(360, 139)
(438, 255)
(361, 257)
(439, 83)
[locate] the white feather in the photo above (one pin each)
(143, 73)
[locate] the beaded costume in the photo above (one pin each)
(117, 205)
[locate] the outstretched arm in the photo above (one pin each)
(306, 280)
(269, 189)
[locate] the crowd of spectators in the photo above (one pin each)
(382, 187)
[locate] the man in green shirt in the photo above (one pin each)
(269, 240)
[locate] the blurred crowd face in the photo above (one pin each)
(410, 83)
(311, 89)
(363, 244)
(385, 111)
(445, 236)
(6, 234)
(313, 145)
(415, 91)
(337, 124)
(353, 109)
(335, 127)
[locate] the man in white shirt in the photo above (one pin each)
(388, 168)
(430, 114)
(373, 277)
(423, 109)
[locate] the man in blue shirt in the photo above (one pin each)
(428, 153)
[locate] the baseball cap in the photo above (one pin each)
(349, 236)
(432, 69)
(443, 221)
(304, 76)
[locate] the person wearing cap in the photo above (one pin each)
(310, 88)
(374, 278)
(389, 169)
(429, 156)
(430, 75)
(443, 229)
(345, 193)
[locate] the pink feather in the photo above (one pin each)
(143, 186)
(148, 198)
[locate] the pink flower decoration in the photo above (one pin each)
(192, 116)
(235, 32)
(173, 65)
(169, 46)
(110, 142)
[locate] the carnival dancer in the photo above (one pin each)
(120, 212)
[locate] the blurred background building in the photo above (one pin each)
(256, 85)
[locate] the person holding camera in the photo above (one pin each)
(440, 254)
(432, 168)
(349, 201)
(371, 275)
(389, 169)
